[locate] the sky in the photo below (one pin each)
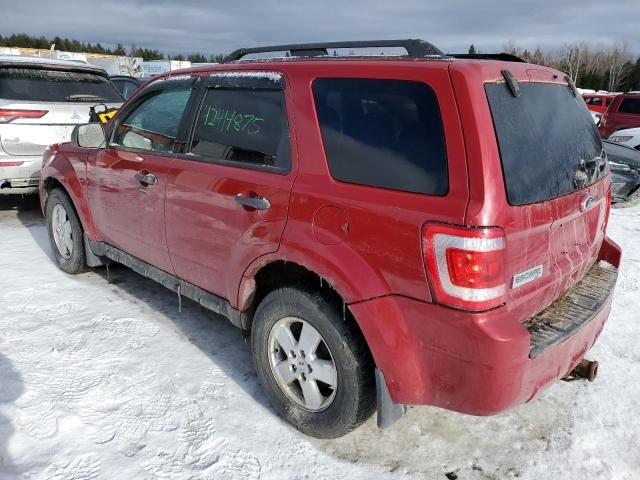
(200, 26)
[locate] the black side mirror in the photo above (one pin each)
(90, 135)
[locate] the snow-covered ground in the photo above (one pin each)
(106, 379)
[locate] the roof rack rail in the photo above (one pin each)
(415, 48)
(505, 57)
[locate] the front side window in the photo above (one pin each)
(243, 126)
(153, 124)
(383, 133)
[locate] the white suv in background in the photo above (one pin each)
(629, 137)
(41, 101)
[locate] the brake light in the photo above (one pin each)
(9, 115)
(466, 265)
(10, 164)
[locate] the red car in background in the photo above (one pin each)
(388, 231)
(624, 112)
(598, 102)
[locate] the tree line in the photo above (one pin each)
(24, 40)
(598, 67)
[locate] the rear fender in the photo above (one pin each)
(340, 266)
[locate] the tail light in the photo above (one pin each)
(607, 211)
(9, 115)
(466, 266)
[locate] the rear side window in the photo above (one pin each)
(243, 126)
(38, 85)
(383, 133)
(630, 105)
(546, 138)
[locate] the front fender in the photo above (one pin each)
(67, 167)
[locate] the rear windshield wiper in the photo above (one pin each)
(85, 98)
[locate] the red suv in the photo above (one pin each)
(597, 102)
(389, 231)
(624, 112)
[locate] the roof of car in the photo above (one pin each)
(41, 62)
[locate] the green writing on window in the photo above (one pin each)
(231, 121)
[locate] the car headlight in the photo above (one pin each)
(620, 138)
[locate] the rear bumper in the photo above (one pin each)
(474, 363)
(21, 178)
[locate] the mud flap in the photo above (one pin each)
(93, 260)
(388, 412)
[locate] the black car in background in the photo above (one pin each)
(625, 171)
(126, 85)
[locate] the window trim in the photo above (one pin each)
(152, 90)
(195, 114)
(365, 185)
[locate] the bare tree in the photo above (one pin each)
(618, 63)
(572, 60)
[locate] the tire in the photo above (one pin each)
(65, 233)
(337, 410)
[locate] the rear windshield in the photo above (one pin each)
(37, 85)
(383, 133)
(548, 141)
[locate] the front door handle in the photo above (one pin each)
(258, 203)
(146, 178)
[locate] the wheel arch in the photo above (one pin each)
(266, 275)
(68, 181)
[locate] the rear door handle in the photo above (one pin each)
(146, 178)
(259, 203)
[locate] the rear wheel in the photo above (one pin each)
(314, 366)
(65, 233)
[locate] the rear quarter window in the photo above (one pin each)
(383, 133)
(630, 105)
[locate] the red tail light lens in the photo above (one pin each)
(607, 211)
(466, 265)
(9, 115)
(475, 269)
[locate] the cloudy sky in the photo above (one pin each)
(193, 26)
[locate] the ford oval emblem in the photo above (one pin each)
(587, 203)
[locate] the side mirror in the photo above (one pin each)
(90, 135)
(597, 118)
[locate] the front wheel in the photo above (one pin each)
(314, 366)
(65, 233)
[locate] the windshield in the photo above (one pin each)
(38, 85)
(548, 142)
